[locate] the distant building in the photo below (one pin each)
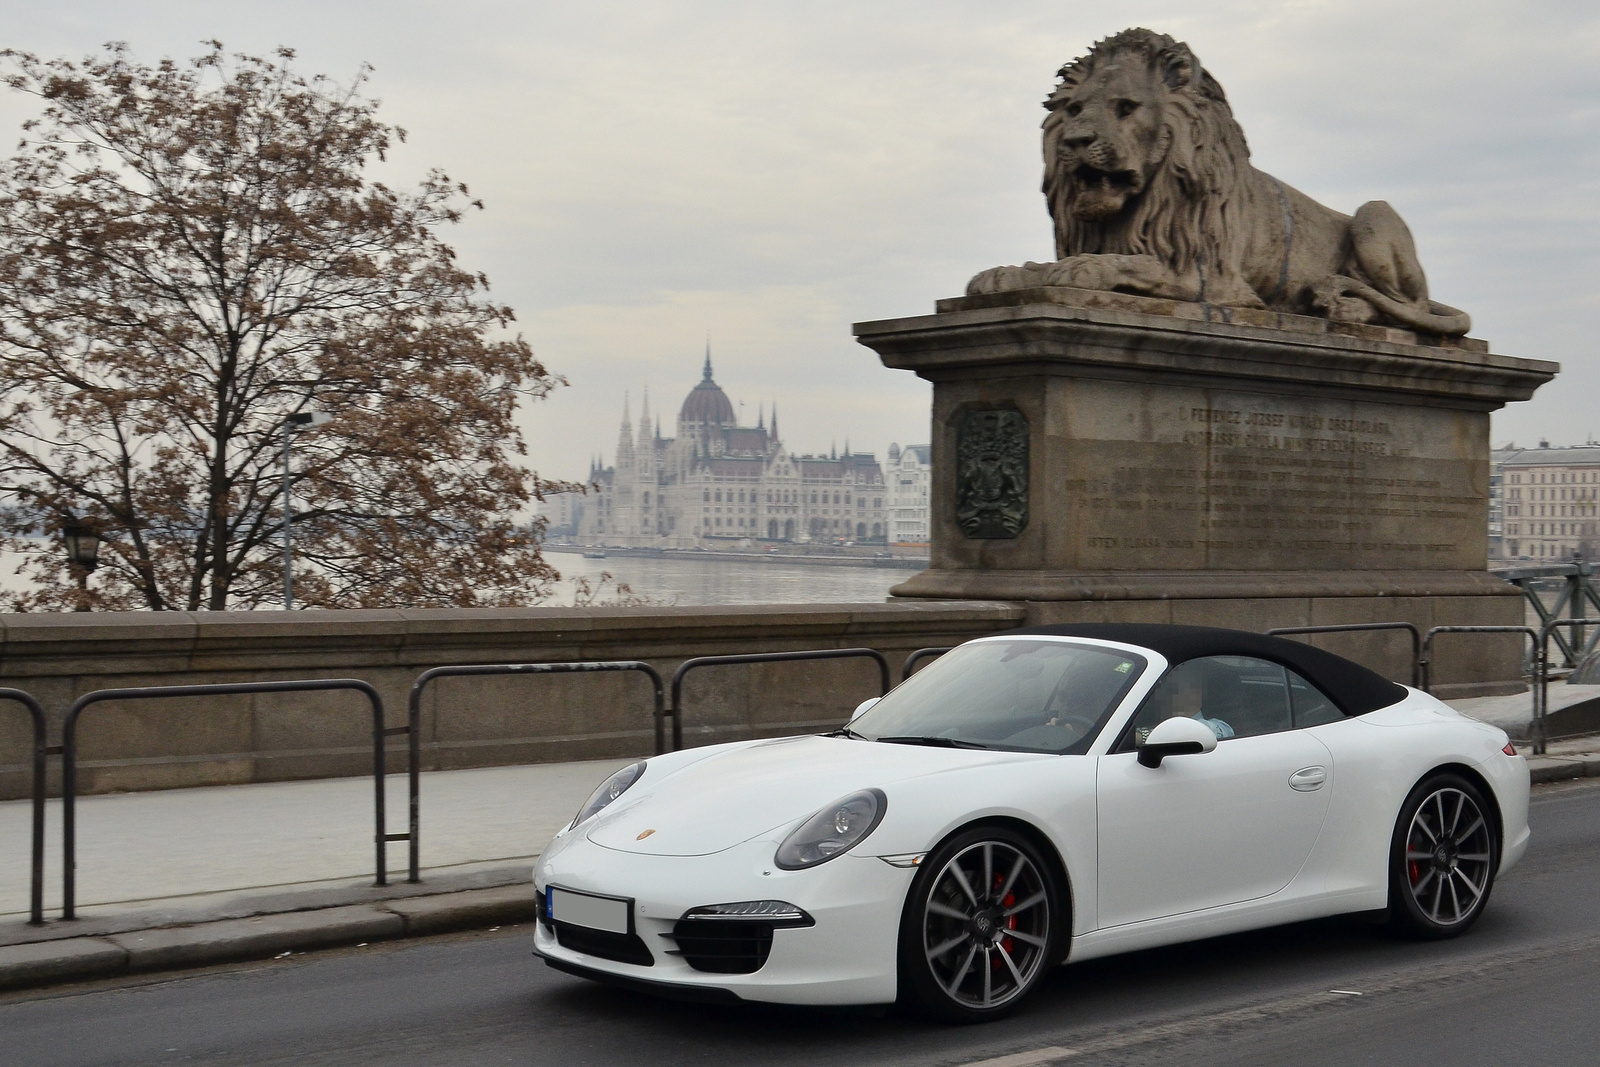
(910, 477)
(564, 514)
(717, 481)
(1548, 503)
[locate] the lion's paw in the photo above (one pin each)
(1003, 279)
(1085, 272)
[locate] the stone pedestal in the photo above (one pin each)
(1106, 457)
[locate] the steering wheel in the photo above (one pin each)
(1083, 724)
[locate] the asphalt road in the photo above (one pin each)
(1521, 988)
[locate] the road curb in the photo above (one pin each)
(75, 959)
(52, 962)
(1560, 768)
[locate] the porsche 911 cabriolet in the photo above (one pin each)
(1034, 798)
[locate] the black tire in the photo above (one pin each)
(981, 925)
(1442, 858)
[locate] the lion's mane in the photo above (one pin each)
(1189, 214)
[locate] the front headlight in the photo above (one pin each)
(834, 830)
(609, 790)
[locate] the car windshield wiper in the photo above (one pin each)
(845, 731)
(932, 741)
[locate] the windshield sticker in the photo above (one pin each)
(1124, 667)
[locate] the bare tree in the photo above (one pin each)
(189, 255)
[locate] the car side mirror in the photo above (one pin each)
(863, 706)
(1178, 736)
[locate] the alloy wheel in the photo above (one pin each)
(1449, 856)
(986, 926)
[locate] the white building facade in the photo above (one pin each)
(910, 477)
(717, 481)
(1549, 503)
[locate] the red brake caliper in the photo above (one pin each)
(1011, 920)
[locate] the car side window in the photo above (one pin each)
(1311, 707)
(1237, 696)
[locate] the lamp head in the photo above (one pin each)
(83, 545)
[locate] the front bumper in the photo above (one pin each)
(847, 957)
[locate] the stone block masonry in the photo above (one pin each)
(1178, 462)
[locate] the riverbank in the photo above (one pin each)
(829, 557)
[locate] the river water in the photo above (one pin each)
(683, 582)
(690, 582)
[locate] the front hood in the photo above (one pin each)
(762, 786)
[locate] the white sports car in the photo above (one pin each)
(1033, 798)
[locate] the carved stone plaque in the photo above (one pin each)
(992, 474)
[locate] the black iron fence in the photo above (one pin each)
(668, 704)
(40, 751)
(1417, 668)
(1541, 702)
(1536, 668)
(918, 656)
(764, 657)
(414, 768)
(69, 759)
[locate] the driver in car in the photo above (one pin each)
(1184, 692)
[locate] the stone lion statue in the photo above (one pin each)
(1148, 179)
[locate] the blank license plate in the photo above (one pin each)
(596, 913)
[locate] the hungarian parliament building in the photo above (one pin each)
(717, 481)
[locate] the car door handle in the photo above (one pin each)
(1307, 779)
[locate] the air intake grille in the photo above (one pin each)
(720, 946)
(624, 948)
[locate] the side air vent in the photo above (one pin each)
(734, 938)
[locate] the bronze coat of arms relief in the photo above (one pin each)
(992, 474)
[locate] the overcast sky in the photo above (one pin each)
(772, 173)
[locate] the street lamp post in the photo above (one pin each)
(83, 556)
(309, 420)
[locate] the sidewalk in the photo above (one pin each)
(185, 877)
(188, 877)
(1513, 713)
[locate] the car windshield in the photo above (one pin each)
(1024, 694)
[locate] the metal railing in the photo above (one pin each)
(763, 657)
(40, 750)
(1537, 667)
(1417, 665)
(414, 717)
(1541, 702)
(69, 759)
(918, 656)
(1577, 593)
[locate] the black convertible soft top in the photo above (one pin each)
(1351, 686)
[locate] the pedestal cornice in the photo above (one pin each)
(1113, 336)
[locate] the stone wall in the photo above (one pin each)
(489, 721)
(466, 722)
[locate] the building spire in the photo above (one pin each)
(706, 376)
(761, 416)
(775, 421)
(645, 447)
(624, 440)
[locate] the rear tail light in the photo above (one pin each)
(1510, 749)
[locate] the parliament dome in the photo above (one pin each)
(706, 403)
